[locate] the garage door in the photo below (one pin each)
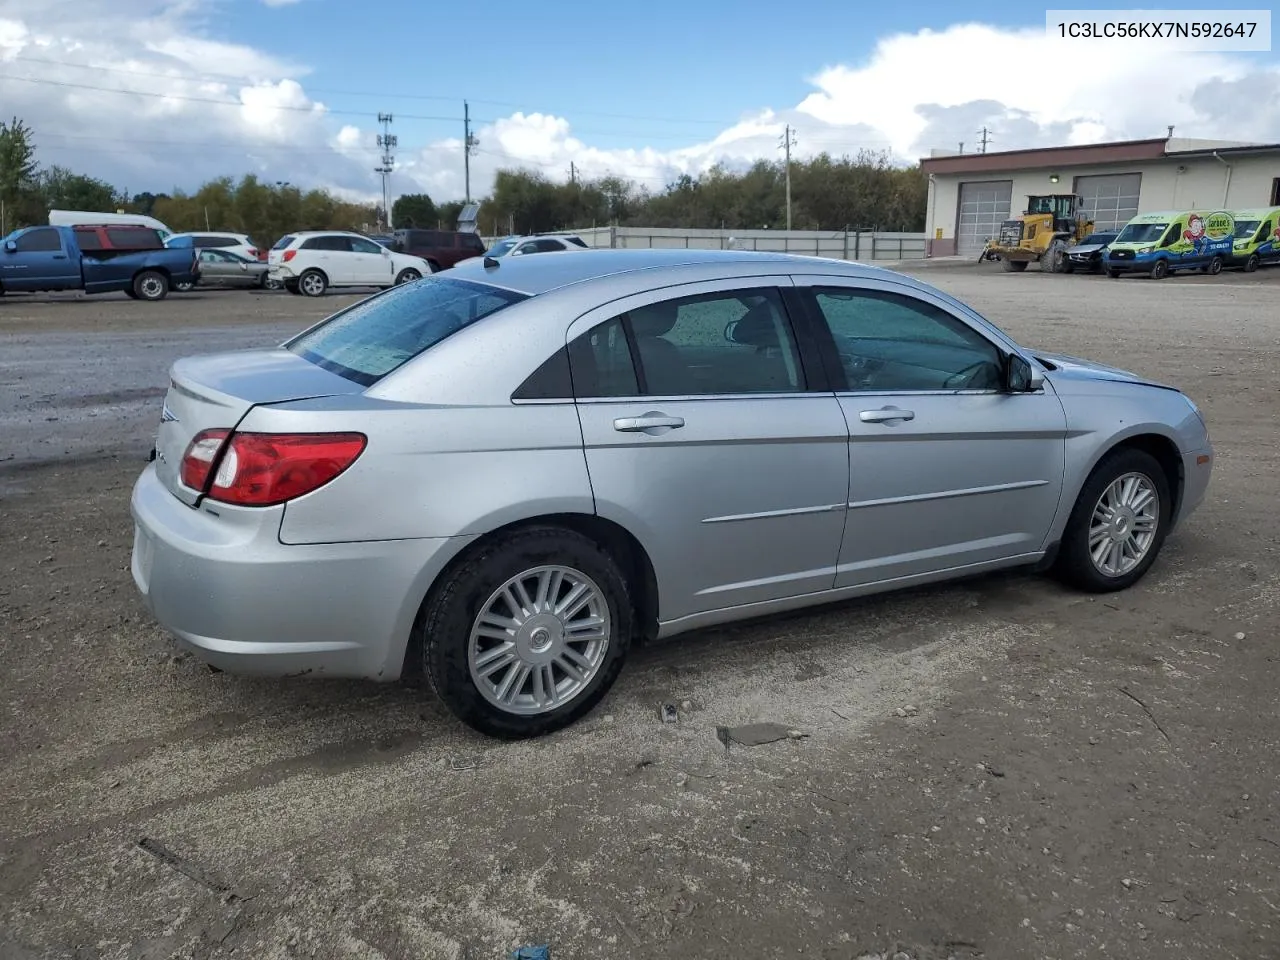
(1110, 200)
(983, 206)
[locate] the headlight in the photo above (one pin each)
(1146, 249)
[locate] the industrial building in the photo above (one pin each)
(971, 193)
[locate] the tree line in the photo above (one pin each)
(865, 191)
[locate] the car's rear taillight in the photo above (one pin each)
(200, 456)
(289, 255)
(253, 252)
(264, 469)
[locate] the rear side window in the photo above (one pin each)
(576, 242)
(133, 239)
(371, 339)
(472, 241)
(328, 243)
(283, 242)
(88, 240)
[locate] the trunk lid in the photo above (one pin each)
(217, 390)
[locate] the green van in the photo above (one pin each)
(1159, 244)
(1257, 238)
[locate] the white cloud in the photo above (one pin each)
(915, 92)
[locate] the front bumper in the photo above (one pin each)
(239, 599)
(1197, 469)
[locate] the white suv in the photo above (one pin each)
(310, 263)
(238, 243)
(543, 243)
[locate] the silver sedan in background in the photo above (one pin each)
(504, 475)
(223, 268)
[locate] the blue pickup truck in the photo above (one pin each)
(52, 258)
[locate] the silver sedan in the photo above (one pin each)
(506, 474)
(222, 268)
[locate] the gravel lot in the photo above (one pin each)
(998, 768)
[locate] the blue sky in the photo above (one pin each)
(645, 91)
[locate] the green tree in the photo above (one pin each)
(414, 210)
(61, 189)
(18, 169)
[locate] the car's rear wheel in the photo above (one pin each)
(151, 285)
(313, 283)
(1118, 523)
(407, 276)
(292, 287)
(528, 633)
(1251, 264)
(184, 286)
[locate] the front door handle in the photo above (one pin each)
(885, 415)
(650, 421)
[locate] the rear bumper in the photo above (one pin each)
(244, 602)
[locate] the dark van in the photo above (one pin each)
(440, 248)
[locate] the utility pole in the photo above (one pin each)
(573, 173)
(788, 141)
(962, 146)
(469, 144)
(986, 138)
(386, 142)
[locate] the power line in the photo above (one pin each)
(364, 93)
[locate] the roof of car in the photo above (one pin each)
(537, 275)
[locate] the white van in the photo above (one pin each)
(88, 218)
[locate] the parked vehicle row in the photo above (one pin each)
(94, 259)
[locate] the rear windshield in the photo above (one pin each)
(282, 243)
(374, 337)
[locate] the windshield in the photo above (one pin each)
(373, 338)
(1142, 233)
(1245, 229)
(1098, 238)
(498, 249)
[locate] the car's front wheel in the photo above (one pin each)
(1118, 523)
(407, 276)
(528, 633)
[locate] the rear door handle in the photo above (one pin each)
(650, 421)
(886, 415)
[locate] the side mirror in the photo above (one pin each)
(1021, 376)
(11, 246)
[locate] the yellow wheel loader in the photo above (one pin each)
(1041, 235)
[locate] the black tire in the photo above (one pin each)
(130, 294)
(1074, 563)
(313, 283)
(1113, 274)
(1251, 264)
(1014, 266)
(151, 285)
(1068, 266)
(1215, 266)
(407, 276)
(454, 604)
(184, 286)
(1160, 269)
(435, 267)
(292, 287)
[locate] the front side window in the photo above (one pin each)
(890, 342)
(718, 344)
(1174, 234)
(43, 240)
(371, 339)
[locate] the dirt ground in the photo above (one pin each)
(997, 768)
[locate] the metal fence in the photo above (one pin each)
(864, 245)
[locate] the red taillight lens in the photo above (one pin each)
(200, 456)
(289, 255)
(253, 252)
(264, 469)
